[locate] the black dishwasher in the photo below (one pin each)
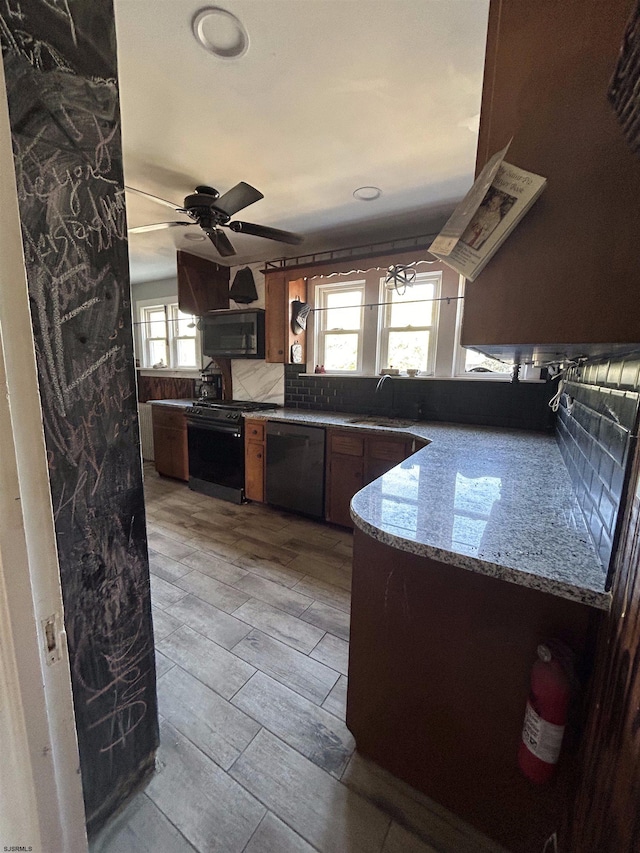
(295, 468)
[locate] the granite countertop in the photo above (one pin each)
(489, 500)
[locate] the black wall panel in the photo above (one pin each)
(61, 79)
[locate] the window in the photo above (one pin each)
(478, 362)
(182, 339)
(168, 337)
(409, 324)
(339, 326)
(362, 326)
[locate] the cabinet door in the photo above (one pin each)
(254, 470)
(383, 454)
(275, 318)
(279, 336)
(344, 479)
(202, 285)
(569, 271)
(181, 453)
(163, 444)
(171, 452)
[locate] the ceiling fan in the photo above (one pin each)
(210, 210)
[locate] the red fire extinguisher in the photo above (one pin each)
(546, 713)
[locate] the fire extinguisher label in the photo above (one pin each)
(541, 738)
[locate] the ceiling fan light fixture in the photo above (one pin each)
(367, 193)
(219, 32)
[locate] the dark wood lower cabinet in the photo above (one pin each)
(439, 668)
(254, 460)
(355, 459)
(170, 446)
(345, 477)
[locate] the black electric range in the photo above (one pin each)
(215, 430)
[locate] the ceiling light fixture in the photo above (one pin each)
(195, 238)
(220, 33)
(367, 193)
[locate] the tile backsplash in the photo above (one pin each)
(257, 381)
(597, 429)
(520, 405)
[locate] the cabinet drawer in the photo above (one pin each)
(346, 443)
(168, 416)
(390, 450)
(254, 430)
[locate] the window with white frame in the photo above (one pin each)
(339, 326)
(409, 323)
(361, 326)
(168, 337)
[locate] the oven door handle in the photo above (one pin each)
(227, 429)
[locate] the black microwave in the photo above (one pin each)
(231, 333)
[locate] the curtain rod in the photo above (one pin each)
(447, 299)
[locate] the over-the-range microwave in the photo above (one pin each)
(231, 333)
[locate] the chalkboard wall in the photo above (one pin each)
(61, 79)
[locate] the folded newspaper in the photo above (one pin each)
(499, 198)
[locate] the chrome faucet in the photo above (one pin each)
(381, 381)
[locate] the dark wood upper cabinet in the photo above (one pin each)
(280, 292)
(202, 285)
(568, 274)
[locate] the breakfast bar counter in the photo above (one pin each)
(494, 501)
(467, 555)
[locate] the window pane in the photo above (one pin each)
(340, 352)
(155, 325)
(476, 362)
(339, 317)
(405, 311)
(185, 352)
(157, 352)
(408, 349)
(184, 326)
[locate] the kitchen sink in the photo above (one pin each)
(373, 420)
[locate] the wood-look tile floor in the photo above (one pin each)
(251, 619)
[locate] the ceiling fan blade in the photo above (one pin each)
(158, 226)
(263, 231)
(221, 242)
(237, 198)
(150, 197)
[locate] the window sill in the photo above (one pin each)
(472, 377)
(192, 373)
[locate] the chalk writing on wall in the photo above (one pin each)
(61, 78)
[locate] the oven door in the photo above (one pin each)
(216, 459)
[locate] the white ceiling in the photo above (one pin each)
(331, 95)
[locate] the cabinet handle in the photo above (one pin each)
(258, 455)
(254, 432)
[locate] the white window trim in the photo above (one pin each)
(141, 305)
(385, 295)
(323, 290)
(444, 342)
(449, 360)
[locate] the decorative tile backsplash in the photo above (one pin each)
(597, 429)
(258, 381)
(521, 405)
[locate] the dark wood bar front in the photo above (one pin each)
(439, 668)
